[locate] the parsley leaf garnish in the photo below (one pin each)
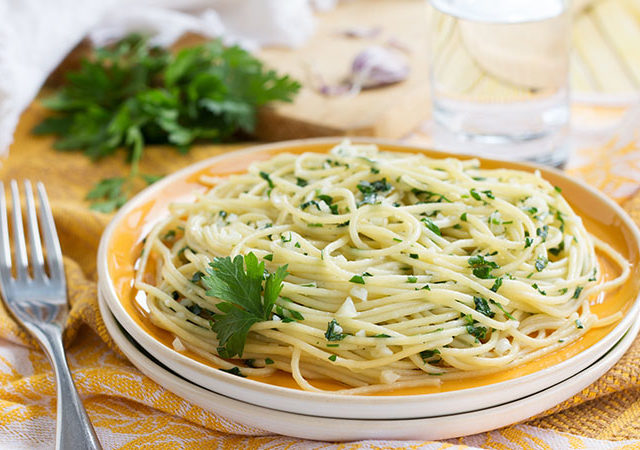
(543, 232)
(477, 331)
(506, 314)
(489, 194)
(327, 199)
(475, 194)
(496, 284)
(481, 267)
(432, 226)
(483, 307)
(537, 288)
(561, 220)
(428, 354)
(234, 371)
(370, 191)
(474, 330)
(541, 263)
(245, 300)
(577, 292)
(429, 196)
(334, 331)
(557, 250)
(197, 277)
(288, 315)
(266, 177)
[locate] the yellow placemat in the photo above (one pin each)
(131, 411)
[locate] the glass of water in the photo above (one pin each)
(499, 78)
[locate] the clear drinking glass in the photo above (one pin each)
(499, 74)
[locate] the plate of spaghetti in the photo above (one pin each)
(371, 280)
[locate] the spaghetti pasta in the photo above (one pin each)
(403, 270)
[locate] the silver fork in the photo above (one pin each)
(39, 301)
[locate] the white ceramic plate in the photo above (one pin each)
(332, 429)
(359, 407)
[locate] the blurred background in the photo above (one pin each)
(316, 42)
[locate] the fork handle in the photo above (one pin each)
(73, 428)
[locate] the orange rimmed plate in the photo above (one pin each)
(122, 241)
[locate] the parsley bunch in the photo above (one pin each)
(132, 94)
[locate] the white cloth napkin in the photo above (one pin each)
(36, 35)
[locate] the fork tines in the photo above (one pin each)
(46, 227)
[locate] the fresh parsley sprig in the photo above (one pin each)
(245, 298)
(132, 94)
(109, 194)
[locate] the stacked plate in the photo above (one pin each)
(487, 403)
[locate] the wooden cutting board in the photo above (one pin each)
(389, 112)
(386, 112)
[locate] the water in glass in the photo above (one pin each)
(499, 77)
